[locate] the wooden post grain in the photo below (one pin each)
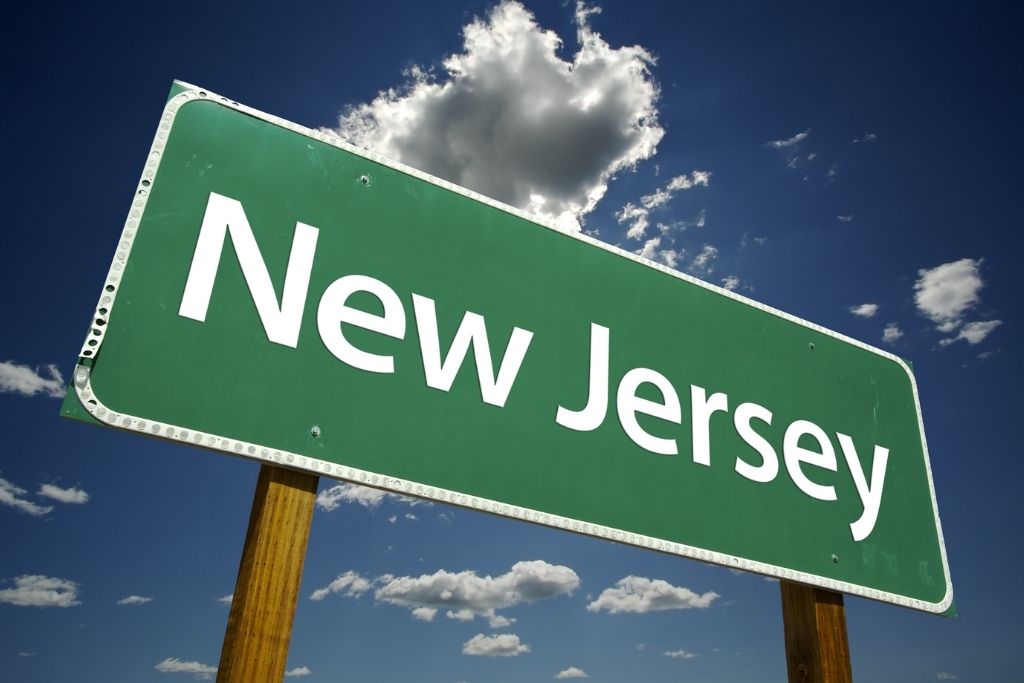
(260, 623)
(814, 621)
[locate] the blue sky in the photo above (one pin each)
(857, 166)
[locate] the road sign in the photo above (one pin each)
(281, 295)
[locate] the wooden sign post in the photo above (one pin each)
(814, 622)
(263, 607)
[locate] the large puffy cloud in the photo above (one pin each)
(512, 120)
(640, 595)
(503, 645)
(21, 379)
(41, 591)
(463, 595)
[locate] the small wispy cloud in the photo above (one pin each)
(844, 218)
(784, 143)
(867, 137)
(298, 671)
(892, 333)
(638, 217)
(72, 496)
(27, 381)
(864, 310)
(945, 676)
(173, 665)
(332, 498)
(679, 654)
(703, 263)
(730, 282)
(349, 584)
(14, 496)
(134, 600)
(571, 672)
(226, 600)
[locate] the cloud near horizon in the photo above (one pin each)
(463, 595)
(640, 595)
(510, 119)
(173, 665)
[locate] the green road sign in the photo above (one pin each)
(281, 295)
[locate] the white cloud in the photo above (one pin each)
(134, 600)
(71, 495)
(26, 654)
(460, 615)
(11, 496)
(730, 282)
(501, 645)
(424, 613)
(298, 671)
(945, 676)
(867, 137)
(174, 665)
(21, 379)
(892, 333)
(651, 250)
(973, 333)
(41, 591)
(641, 595)
(845, 219)
(332, 498)
(789, 142)
(466, 593)
(946, 292)
(638, 217)
(498, 621)
(571, 672)
(463, 595)
(514, 121)
(679, 654)
(226, 599)
(348, 584)
(703, 263)
(865, 310)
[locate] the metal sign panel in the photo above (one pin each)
(281, 295)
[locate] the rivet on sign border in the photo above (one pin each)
(315, 430)
(811, 346)
(835, 559)
(364, 179)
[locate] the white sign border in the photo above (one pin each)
(108, 416)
